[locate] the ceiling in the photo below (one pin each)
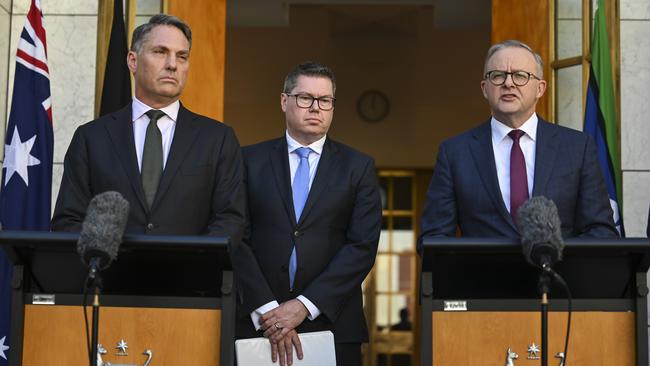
(446, 13)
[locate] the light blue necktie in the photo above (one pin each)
(300, 190)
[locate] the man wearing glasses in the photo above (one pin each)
(484, 175)
(314, 215)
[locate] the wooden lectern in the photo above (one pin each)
(166, 300)
(480, 304)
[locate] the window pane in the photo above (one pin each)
(145, 9)
(382, 273)
(394, 274)
(569, 9)
(398, 303)
(402, 193)
(403, 241)
(569, 38)
(569, 28)
(148, 7)
(405, 270)
(569, 97)
(403, 223)
(382, 314)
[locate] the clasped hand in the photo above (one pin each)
(279, 327)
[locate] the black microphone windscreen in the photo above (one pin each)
(540, 229)
(102, 229)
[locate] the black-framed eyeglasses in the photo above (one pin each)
(307, 101)
(519, 78)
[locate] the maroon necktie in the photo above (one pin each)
(518, 180)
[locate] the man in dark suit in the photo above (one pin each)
(484, 175)
(315, 216)
(182, 173)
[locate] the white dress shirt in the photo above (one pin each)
(294, 161)
(502, 144)
(166, 125)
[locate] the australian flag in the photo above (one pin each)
(25, 193)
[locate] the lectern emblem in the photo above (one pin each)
(533, 352)
(510, 357)
(122, 352)
(121, 348)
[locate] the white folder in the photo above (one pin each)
(317, 349)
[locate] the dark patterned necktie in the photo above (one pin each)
(518, 176)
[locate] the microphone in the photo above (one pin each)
(541, 237)
(102, 230)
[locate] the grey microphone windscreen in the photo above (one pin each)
(102, 229)
(540, 230)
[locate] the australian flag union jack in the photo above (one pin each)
(25, 191)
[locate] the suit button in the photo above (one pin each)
(149, 226)
(296, 233)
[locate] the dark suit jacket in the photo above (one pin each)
(336, 237)
(201, 190)
(464, 190)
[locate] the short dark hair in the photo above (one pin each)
(140, 33)
(308, 68)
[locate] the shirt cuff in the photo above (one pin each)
(314, 312)
(257, 313)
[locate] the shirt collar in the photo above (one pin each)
(138, 109)
(500, 130)
(316, 146)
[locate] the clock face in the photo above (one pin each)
(373, 106)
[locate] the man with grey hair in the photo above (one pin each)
(484, 175)
(181, 172)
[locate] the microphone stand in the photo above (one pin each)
(95, 327)
(544, 285)
(94, 283)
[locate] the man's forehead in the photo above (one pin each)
(165, 36)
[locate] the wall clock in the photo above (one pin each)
(373, 106)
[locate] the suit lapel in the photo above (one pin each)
(280, 165)
(184, 134)
(483, 155)
(323, 170)
(546, 147)
(121, 134)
